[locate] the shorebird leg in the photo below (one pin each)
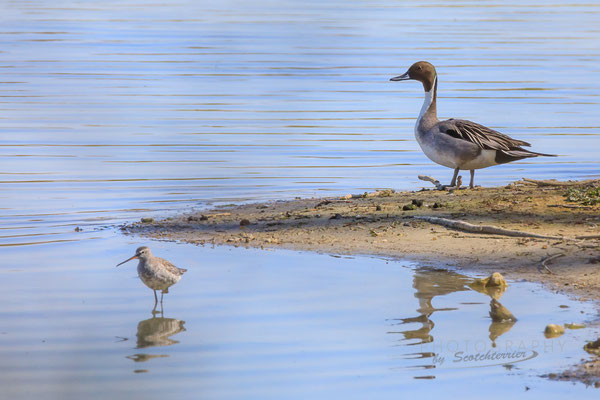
(161, 297)
(154, 312)
(453, 183)
(472, 183)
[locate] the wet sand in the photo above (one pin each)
(376, 224)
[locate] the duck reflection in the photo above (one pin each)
(429, 283)
(156, 332)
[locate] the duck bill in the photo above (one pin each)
(403, 77)
(129, 259)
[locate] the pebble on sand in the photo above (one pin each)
(494, 280)
(553, 330)
(593, 347)
(574, 326)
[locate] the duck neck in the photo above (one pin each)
(428, 115)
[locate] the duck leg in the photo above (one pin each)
(472, 183)
(453, 183)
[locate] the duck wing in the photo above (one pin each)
(482, 136)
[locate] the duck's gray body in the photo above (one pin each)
(456, 143)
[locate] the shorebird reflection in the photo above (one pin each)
(156, 332)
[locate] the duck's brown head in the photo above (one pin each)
(421, 71)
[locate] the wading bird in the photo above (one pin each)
(156, 273)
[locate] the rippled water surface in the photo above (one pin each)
(255, 324)
(114, 110)
(115, 107)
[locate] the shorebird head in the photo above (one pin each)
(421, 71)
(142, 253)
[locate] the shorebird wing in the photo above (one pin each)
(482, 136)
(171, 268)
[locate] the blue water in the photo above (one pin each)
(116, 110)
(259, 324)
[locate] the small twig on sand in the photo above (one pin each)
(435, 182)
(569, 206)
(588, 237)
(554, 182)
(547, 260)
(495, 230)
(438, 185)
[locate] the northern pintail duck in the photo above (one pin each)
(458, 143)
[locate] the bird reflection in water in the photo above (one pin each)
(429, 283)
(156, 332)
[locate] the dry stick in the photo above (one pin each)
(548, 259)
(553, 182)
(438, 185)
(467, 227)
(435, 182)
(570, 206)
(588, 237)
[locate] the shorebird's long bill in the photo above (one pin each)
(129, 259)
(403, 77)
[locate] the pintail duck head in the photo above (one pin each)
(421, 71)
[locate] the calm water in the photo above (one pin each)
(257, 324)
(114, 110)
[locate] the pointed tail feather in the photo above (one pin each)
(505, 156)
(528, 153)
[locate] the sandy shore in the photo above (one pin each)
(376, 224)
(390, 224)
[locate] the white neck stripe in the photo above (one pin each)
(427, 102)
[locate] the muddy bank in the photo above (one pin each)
(388, 223)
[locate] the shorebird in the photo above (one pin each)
(156, 273)
(458, 143)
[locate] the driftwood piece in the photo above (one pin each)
(438, 185)
(554, 182)
(570, 206)
(435, 182)
(546, 260)
(495, 230)
(583, 237)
